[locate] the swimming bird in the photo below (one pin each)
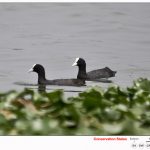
(39, 69)
(93, 75)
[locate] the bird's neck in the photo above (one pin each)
(82, 72)
(41, 78)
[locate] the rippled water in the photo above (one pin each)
(105, 34)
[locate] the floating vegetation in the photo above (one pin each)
(114, 111)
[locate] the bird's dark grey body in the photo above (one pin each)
(63, 82)
(101, 73)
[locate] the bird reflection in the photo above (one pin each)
(41, 88)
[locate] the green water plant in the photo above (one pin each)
(97, 111)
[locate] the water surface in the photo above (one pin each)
(104, 34)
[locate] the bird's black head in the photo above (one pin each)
(79, 62)
(39, 69)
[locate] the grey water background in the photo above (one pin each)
(116, 35)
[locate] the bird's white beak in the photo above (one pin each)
(74, 64)
(30, 70)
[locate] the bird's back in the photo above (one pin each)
(66, 82)
(101, 73)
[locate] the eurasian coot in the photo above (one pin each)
(92, 75)
(39, 69)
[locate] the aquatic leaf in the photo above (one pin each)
(96, 111)
(8, 114)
